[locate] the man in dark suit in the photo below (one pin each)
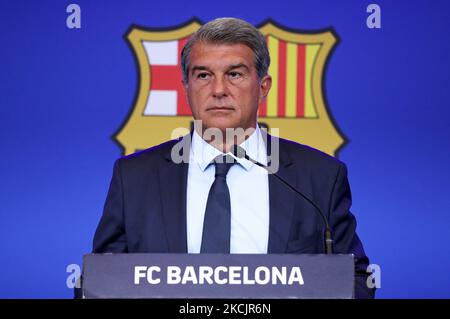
(187, 196)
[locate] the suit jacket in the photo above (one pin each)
(145, 209)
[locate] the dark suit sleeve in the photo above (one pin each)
(110, 236)
(346, 241)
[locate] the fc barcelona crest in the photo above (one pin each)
(295, 105)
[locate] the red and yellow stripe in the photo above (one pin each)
(291, 70)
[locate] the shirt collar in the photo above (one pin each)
(203, 153)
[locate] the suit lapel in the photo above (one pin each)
(281, 199)
(173, 186)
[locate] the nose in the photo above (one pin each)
(219, 88)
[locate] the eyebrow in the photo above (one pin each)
(237, 66)
(199, 68)
(229, 68)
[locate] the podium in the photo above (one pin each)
(218, 276)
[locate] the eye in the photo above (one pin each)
(203, 76)
(235, 75)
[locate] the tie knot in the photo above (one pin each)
(223, 164)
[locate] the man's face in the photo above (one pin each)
(224, 90)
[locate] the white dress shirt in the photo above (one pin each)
(249, 195)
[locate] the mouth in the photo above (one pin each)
(220, 108)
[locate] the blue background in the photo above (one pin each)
(64, 93)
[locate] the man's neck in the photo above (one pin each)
(223, 140)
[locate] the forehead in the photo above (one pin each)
(211, 54)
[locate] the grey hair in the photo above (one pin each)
(229, 31)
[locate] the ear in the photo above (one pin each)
(264, 87)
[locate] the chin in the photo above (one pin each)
(220, 124)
